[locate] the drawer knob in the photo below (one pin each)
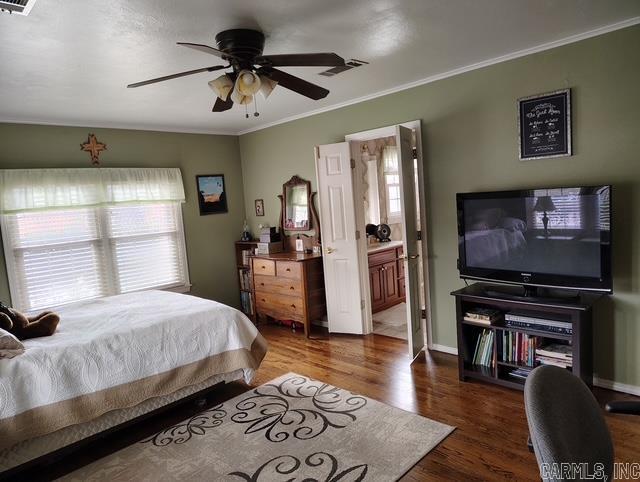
(261, 284)
(288, 269)
(263, 267)
(263, 300)
(292, 287)
(292, 305)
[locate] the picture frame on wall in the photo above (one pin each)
(544, 125)
(212, 194)
(259, 207)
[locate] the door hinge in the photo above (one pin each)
(357, 234)
(353, 163)
(423, 314)
(419, 235)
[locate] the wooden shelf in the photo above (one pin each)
(578, 312)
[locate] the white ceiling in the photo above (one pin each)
(69, 61)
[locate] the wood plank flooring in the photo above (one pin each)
(488, 444)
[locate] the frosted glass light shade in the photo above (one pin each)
(267, 85)
(222, 86)
(247, 83)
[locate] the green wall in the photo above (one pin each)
(470, 144)
(209, 238)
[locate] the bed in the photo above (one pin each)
(114, 359)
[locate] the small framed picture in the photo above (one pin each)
(212, 195)
(259, 207)
(544, 125)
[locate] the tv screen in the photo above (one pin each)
(559, 237)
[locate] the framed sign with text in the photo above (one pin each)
(544, 125)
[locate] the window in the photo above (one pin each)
(58, 257)
(392, 184)
(60, 254)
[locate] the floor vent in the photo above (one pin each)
(348, 65)
(20, 7)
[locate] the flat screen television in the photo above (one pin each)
(551, 237)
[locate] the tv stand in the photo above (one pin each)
(576, 309)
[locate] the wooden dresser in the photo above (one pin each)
(289, 286)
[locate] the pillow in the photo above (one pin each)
(489, 218)
(10, 346)
(514, 224)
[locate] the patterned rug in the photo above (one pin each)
(292, 428)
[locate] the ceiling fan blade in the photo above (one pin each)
(208, 50)
(175, 76)
(296, 84)
(222, 105)
(327, 59)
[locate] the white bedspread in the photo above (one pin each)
(116, 340)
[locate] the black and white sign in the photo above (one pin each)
(544, 125)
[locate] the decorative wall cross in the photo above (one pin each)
(94, 148)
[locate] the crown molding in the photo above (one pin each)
(461, 70)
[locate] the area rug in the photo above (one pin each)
(292, 428)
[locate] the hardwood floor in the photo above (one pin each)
(488, 444)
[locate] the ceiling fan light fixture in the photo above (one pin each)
(222, 86)
(267, 85)
(239, 98)
(248, 83)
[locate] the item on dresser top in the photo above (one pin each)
(24, 327)
(269, 237)
(246, 234)
(269, 248)
(10, 346)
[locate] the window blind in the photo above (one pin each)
(60, 256)
(54, 257)
(145, 241)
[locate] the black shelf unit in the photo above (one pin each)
(577, 310)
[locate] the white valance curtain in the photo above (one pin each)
(40, 189)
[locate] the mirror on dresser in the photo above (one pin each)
(298, 215)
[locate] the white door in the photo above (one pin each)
(340, 247)
(410, 240)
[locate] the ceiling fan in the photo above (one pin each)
(253, 72)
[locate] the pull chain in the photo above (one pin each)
(255, 106)
(246, 111)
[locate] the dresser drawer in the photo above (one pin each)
(279, 285)
(279, 306)
(289, 269)
(264, 267)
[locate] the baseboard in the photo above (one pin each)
(444, 349)
(598, 382)
(616, 386)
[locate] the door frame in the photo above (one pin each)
(362, 247)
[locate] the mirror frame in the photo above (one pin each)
(297, 181)
(314, 220)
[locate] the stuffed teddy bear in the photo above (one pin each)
(23, 327)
